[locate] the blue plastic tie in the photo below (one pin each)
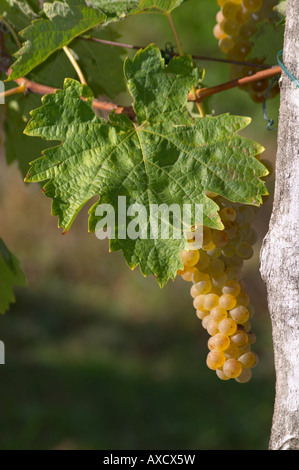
(286, 71)
(270, 121)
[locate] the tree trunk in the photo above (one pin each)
(279, 253)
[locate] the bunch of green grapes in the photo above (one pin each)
(218, 290)
(237, 22)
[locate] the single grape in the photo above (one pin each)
(232, 368)
(222, 375)
(210, 301)
(219, 341)
(218, 32)
(227, 326)
(229, 10)
(203, 287)
(227, 301)
(249, 359)
(198, 302)
(239, 338)
(239, 314)
(218, 313)
(226, 44)
(219, 16)
(219, 238)
(245, 376)
(228, 214)
(231, 28)
(212, 327)
(252, 5)
(189, 258)
(215, 359)
(232, 287)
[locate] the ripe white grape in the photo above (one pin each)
(215, 359)
(240, 314)
(218, 313)
(222, 375)
(232, 368)
(248, 359)
(219, 341)
(232, 287)
(189, 258)
(227, 326)
(210, 301)
(227, 301)
(239, 338)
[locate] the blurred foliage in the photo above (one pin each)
(99, 357)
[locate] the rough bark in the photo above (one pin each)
(279, 254)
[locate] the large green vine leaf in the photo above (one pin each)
(166, 157)
(11, 275)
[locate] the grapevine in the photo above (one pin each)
(237, 22)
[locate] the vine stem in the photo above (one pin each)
(75, 64)
(124, 45)
(181, 53)
(175, 34)
(38, 88)
(14, 91)
(202, 93)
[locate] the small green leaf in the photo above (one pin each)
(10, 275)
(166, 157)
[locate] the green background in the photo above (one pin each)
(99, 357)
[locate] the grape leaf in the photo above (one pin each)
(45, 36)
(166, 157)
(10, 275)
